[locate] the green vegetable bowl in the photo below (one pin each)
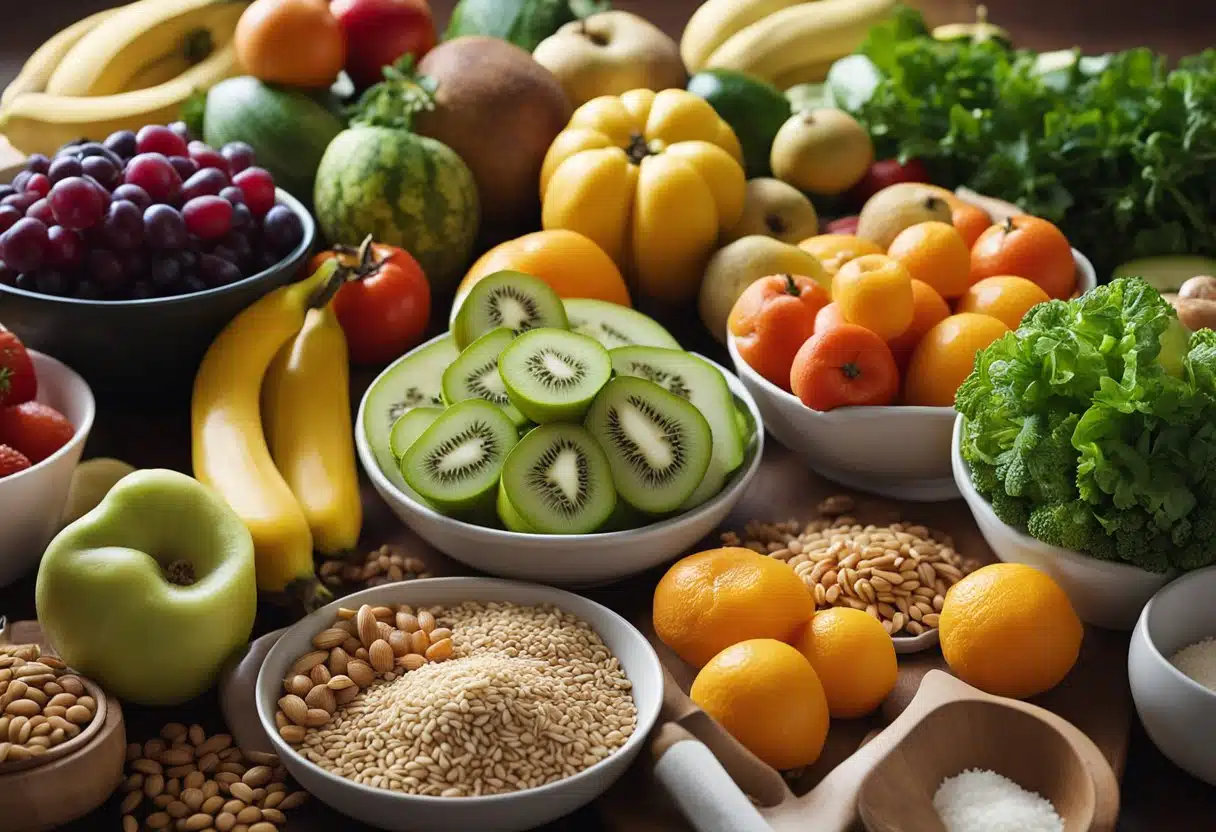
(1104, 593)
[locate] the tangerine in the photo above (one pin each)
(874, 291)
(970, 220)
(945, 357)
(1028, 247)
(834, 250)
(928, 309)
(854, 658)
(936, 253)
(1005, 298)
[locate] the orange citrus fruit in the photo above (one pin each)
(928, 309)
(970, 220)
(874, 291)
(1029, 247)
(1010, 630)
(711, 600)
(1005, 298)
(945, 357)
(834, 250)
(936, 253)
(769, 698)
(854, 658)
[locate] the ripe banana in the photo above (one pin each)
(800, 35)
(40, 123)
(41, 65)
(229, 450)
(306, 409)
(715, 21)
(148, 32)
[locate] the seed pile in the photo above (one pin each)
(978, 800)
(186, 781)
(41, 704)
(385, 565)
(1198, 661)
(361, 646)
(532, 696)
(898, 573)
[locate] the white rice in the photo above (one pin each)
(1198, 661)
(979, 800)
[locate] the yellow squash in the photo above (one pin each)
(652, 178)
(229, 449)
(306, 408)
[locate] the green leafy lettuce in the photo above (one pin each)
(1094, 428)
(1118, 150)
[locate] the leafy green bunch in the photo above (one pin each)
(1094, 428)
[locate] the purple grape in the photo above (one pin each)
(88, 290)
(21, 202)
(103, 170)
(282, 229)
(101, 189)
(39, 184)
(264, 260)
(184, 165)
(105, 269)
(165, 272)
(64, 167)
(69, 149)
(234, 195)
(192, 283)
(9, 215)
(239, 155)
(164, 228)
(153, 172)
(207, 182)
(64, 248)
(181, 129)
(98, 149)
(21, 180)
(7, 190)
(238, 244)
(50, 282)
(134, 264)
(208, 217)
(27, 281)
(37, 163)
(133, 193)
(224, 253)
(41, 211)
(142, 290)
(124, 225)
(216, 271)
(122, 143)
(77, 203)
(8, 277)
(23, 246)
(188, 260)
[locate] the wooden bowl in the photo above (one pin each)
(64, 748)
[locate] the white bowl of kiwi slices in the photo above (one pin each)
(565, 442)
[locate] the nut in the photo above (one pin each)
(366, 623)
(294, 708)
(329, 639)
(321, 697)
(308, 661)
(381, 656)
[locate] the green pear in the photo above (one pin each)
(151, 591)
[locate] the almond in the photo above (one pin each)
(294, 709)
(308, 661)
(321, 697)
(329, 639)
(367, 625)
(381, 656)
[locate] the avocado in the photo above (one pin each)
(754, 109)
(1168, 272)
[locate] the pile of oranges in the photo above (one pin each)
(900, 326)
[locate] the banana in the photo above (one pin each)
(229, 451)
(147, 32)
(800, 35)
(40, 123)
(715, 21)
(306, 409)
(812, 73)
(41, 65)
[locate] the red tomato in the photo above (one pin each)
(378, 32)
(385, 306)
(17, 380)
(887, 172)
(34, 429)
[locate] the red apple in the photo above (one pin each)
(379, 32)
(886, 172)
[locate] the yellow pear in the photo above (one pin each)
(897, 207)
(823, 152)
(775, 209)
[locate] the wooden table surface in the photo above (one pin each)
(1157, 797)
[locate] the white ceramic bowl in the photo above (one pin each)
(1104, 593)
(1178, 713)
(32, 502)
(565, 560)
(497, 813)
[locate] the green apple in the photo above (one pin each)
(151, 591)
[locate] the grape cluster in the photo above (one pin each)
(141, 215)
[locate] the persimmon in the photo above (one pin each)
(773, 318)
(294, 42)
(1029, 247)
(845, 366)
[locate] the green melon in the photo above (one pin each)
(405, 190)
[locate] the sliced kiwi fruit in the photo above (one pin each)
(744, 419)
(413, 380)
(409, 426)
(508, 299)
(615, 326)
(558, 481)
(456, 462)
(474, 373)
(659, 446)
(509, 515)
(552, 375)
(623, 518)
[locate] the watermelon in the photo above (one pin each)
(289, 130)
(405, 190)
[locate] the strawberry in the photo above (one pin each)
(12, 461)
(17, 380)
(35, 429)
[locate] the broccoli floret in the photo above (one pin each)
(1012, 511)
(1071, 525)
(1200, 549)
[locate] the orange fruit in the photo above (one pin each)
(569, 262)
(970, 220)
(854, 658)
(769, 698)
(827, 318)
(834, 250)
(928, 309)
(874, 291)
(1028, 247)
(711, 600)
(945, 357)
(1005, 298)
(935, 253)
(1010, 630)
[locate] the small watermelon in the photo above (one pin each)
(403, 189)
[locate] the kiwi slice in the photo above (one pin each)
(658, 445)
(623, 518)
(414, 380)
(474, 373)
(456, 462)
(409, 426)
(508, 299)
(552, 375)
(509, 515)
(615, 326)
(558, 481)
(744, 419)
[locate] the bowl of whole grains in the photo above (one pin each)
(1171, 665)
(459, 703)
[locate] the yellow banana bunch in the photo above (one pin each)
(715, 21)
(229, 448)
(41, 65)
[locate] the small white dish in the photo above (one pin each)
(32, 501)
(526, 809)
(1104, 593)
(1178, 713)
(565, 560)
(906, 644)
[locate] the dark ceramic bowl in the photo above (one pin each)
(150, 345)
